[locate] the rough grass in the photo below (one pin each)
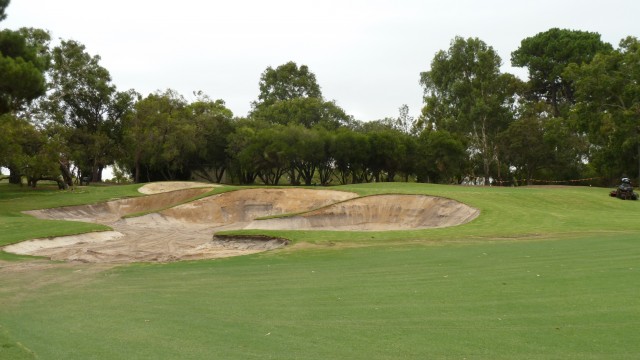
(543, 273)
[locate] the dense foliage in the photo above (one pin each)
(577, 116)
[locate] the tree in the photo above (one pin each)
(325, 161)
(307, 152)
(29, 151)
(524, 146)
(22, 66)
(23, 60)
(84, 100)
(259, 151)
(440, 156)
(290, 95)
(287, 82)
(3, 7)
(244, 158)
(608, 109)
(404, 122)
(466, 94)
(547, 54)
(164, 136)
(350, 151)
(212, 120)
(305, 111)
(387, 150)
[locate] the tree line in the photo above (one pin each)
(576, 116)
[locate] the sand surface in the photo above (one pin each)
(177, 227)
(165, 186)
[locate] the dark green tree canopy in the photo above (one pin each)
(308, 112)
(608, 108)
(3, 7)
(287, 82)
(23, 60)
(467, 95)
(547, 54)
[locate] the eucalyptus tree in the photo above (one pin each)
(287, 81)
(305, 111)
(213, 124)
(465, 93)
(83, 99)
(405, 122)
(547, 54)
(290, 94)
(608, 108)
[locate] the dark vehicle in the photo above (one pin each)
(624, 191)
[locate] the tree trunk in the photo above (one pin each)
(66, 172)
(96, 173)
(14, 176)
(486, 159)
(219, 174)
(137, 166)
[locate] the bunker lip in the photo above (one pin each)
(187, 231)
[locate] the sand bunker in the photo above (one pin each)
(185, 231)
(380, 212)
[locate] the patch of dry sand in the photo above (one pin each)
(186, 231)
(166, 186)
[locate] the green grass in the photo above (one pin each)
(544, 273)
(15, 226)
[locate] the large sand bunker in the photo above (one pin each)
(380, 212)
(185, 231)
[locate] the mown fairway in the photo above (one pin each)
(542, 273)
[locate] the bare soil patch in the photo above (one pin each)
(186, 230)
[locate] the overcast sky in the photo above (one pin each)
(366, 55)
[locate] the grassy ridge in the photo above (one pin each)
(542, 273)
